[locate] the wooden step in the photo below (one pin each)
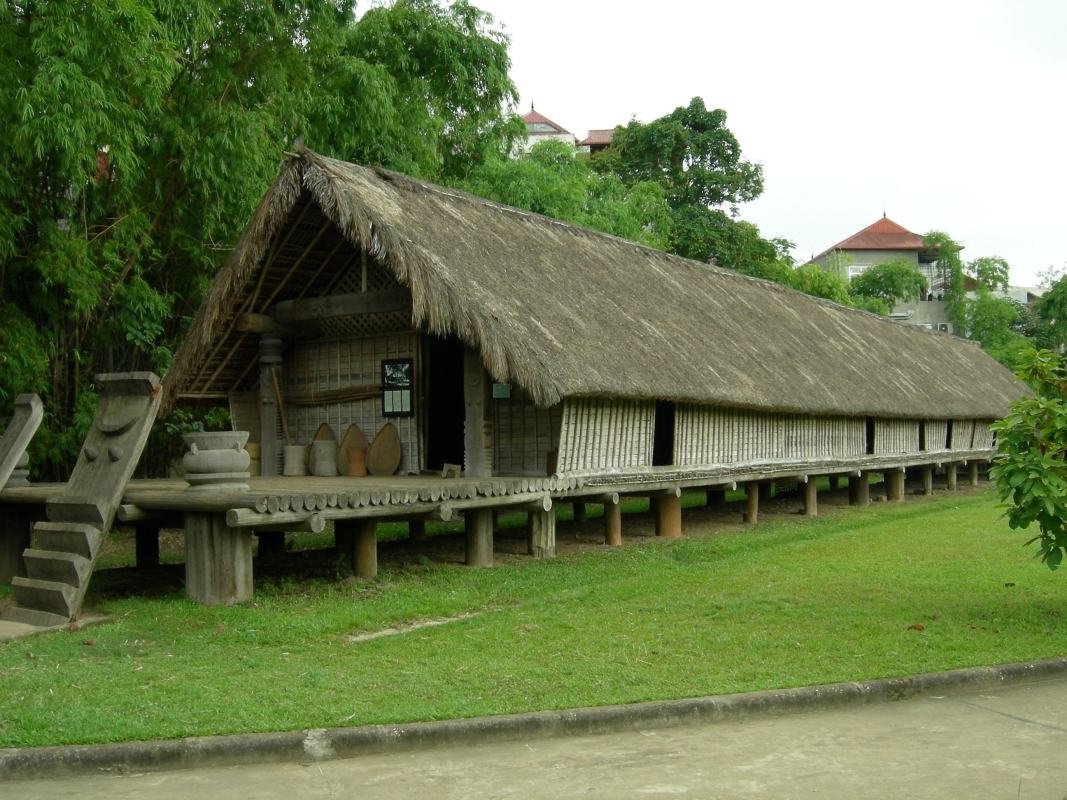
(48, 565)
(29, 616)
(51, 596)
(68, 537)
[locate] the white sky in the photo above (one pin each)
(952, 114)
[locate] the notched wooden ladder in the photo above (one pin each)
(66, 547)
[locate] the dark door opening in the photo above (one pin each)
(948, 435)
(870, 436)
(663, 434)
(445, 411)
(922, 435)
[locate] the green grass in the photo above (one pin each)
(791, 602)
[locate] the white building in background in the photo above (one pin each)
(539, 128)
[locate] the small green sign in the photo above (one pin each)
(501, 391)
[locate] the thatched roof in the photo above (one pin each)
(566, 311)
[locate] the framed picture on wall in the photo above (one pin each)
(398, 383)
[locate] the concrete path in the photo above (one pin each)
(1006, 744)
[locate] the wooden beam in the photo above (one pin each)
(262, 323)
(972, 473)
(341, 305)
(950, 475)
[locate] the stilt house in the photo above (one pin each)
(540, 348)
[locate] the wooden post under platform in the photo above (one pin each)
(811, 498)
(859, 490)
(542, 542)
(271, 545)
(147, 547)
(365, 556)
(752, 493)
(894, 485)
(478, 523)
(16, 522)
(612, 522)
(218, 560)
(417, 530)
(972, 473)
(950, 475)
(668, 516)
(928, 480)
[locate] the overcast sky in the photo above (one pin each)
(950, 115)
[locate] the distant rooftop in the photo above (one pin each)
(598, 137)
(538, 124)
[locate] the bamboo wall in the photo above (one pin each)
(983, 437)
(936, 434)
(896, 436)
(318, 366)
(708, 435)
(605, 434)
(962, 434)
(523, 434)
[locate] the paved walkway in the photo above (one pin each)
(1006, 744)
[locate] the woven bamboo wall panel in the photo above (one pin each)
(709, 435)
(936, 434)
(962, 434)
(323, 365)
(604, 434)
(983, 437)
(523, 434)
(894, 436)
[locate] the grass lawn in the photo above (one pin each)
(793, 601)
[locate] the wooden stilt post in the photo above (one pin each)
(147, 547)
(579, 512)
(928, 480)
(972, 473)
(668, 516)
(542, 534)
(859, 490)
(218, 560)
(894, 485)
(612, 522)
(16, 521)
(417, 530)
(950, 475)
(272, 544)
(811, 498)
(752, 493)
(478, 523)
(366, 548)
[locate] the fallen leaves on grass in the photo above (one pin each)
(89, 642)
(918, 626)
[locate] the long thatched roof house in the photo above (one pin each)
(592, 346)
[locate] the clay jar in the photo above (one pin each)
(217, 460)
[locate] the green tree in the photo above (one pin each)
(1031, 462)
(697, 161)
(1051, 312)
(892, 282)
(550, 180)
(141, 134)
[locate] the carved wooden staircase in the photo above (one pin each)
(60, 565)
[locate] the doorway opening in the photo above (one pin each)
(445, 412)
(663, 434)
